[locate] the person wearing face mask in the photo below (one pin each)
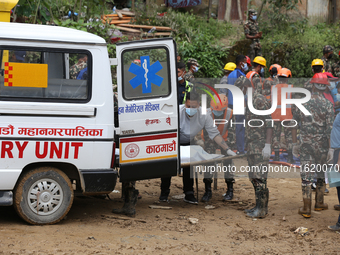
(270, 81)
(191, 123)
(254, 76)
(183, 86)
(317, 67)
(326, 58)
(228, 68)
(259, 138)
(193, 67)
(251, 31)
(283, 75)
(241, 65)
(219, 111)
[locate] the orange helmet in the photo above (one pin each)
(278, 67)
(284, 72)
(217, 106)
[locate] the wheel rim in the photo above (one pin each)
(45, 197)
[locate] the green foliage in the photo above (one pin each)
(195, 37)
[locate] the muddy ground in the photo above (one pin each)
(89, 229)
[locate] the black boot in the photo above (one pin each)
(290, 158)
(208, 194)
(277, 155)
(251, 209)
(230, 192)
(261, 208)
(130, 200)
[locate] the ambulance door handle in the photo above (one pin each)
(167, 109)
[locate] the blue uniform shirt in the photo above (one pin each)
(231, 80)
(335, 134)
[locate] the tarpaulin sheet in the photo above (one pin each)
(183, 3)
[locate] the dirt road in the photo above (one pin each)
(88, 229)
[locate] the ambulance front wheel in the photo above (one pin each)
(43, 196)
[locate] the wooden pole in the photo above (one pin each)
(211, 161)
(209, 10)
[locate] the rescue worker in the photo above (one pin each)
(77, 67)
(251, 31)
(193, 67)
(317, 67)
(191, 122)
(270, 81)
(258, 149)
(336, 67)
(283, 75)
(228, 68)
(315, 131)
(253, 76)
(326, 58)
(219, 112)
(183, 86)
(241, 66)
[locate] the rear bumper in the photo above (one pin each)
(99, 181)
(6, 198)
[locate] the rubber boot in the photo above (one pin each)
(319, 196)
(261, 208)
(230, 192)
(208, 194)
(130, 200)
(290, 158)
(305, 211)
(251, 209)
(336, 227)
(277, 155)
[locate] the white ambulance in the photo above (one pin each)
(58, 133)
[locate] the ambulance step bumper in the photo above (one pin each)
(6, 198)
(100, 181)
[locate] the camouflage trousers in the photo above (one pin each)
(313, 163)
(255, 50)
(277, 136)
(210, 147)
(257, 170)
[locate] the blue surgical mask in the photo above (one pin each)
(180, 78)
(338, 97)
(254, 17)
(218, 113)
(191, 111)
(196, 69)
(245, 67)
(262, 70)
(332, 85)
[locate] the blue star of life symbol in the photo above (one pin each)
(145, 74)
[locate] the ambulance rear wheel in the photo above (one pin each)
(43, 196)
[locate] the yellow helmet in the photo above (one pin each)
(230, 66)
(317, 62)
(260, 60)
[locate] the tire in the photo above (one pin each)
(55, 196)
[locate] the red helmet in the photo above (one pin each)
(248, 61)
(320, 78)
(218, 106)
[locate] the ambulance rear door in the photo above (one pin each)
(147, 109)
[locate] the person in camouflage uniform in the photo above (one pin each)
(270, 81)
(336, 68)
(315, 131)
(251, 31)
(80, 65)
(258, 149)
(326, 58)
(193, 67)
(259, 64)
(222, 112)
(317, 67)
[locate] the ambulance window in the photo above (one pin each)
(146, 73)
(55, 76)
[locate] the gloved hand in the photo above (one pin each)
(330, 156)
(266, 152)
(296, 150)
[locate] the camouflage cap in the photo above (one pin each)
(327, 49)
(241, 82)
(193, 61)
(252, 11)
